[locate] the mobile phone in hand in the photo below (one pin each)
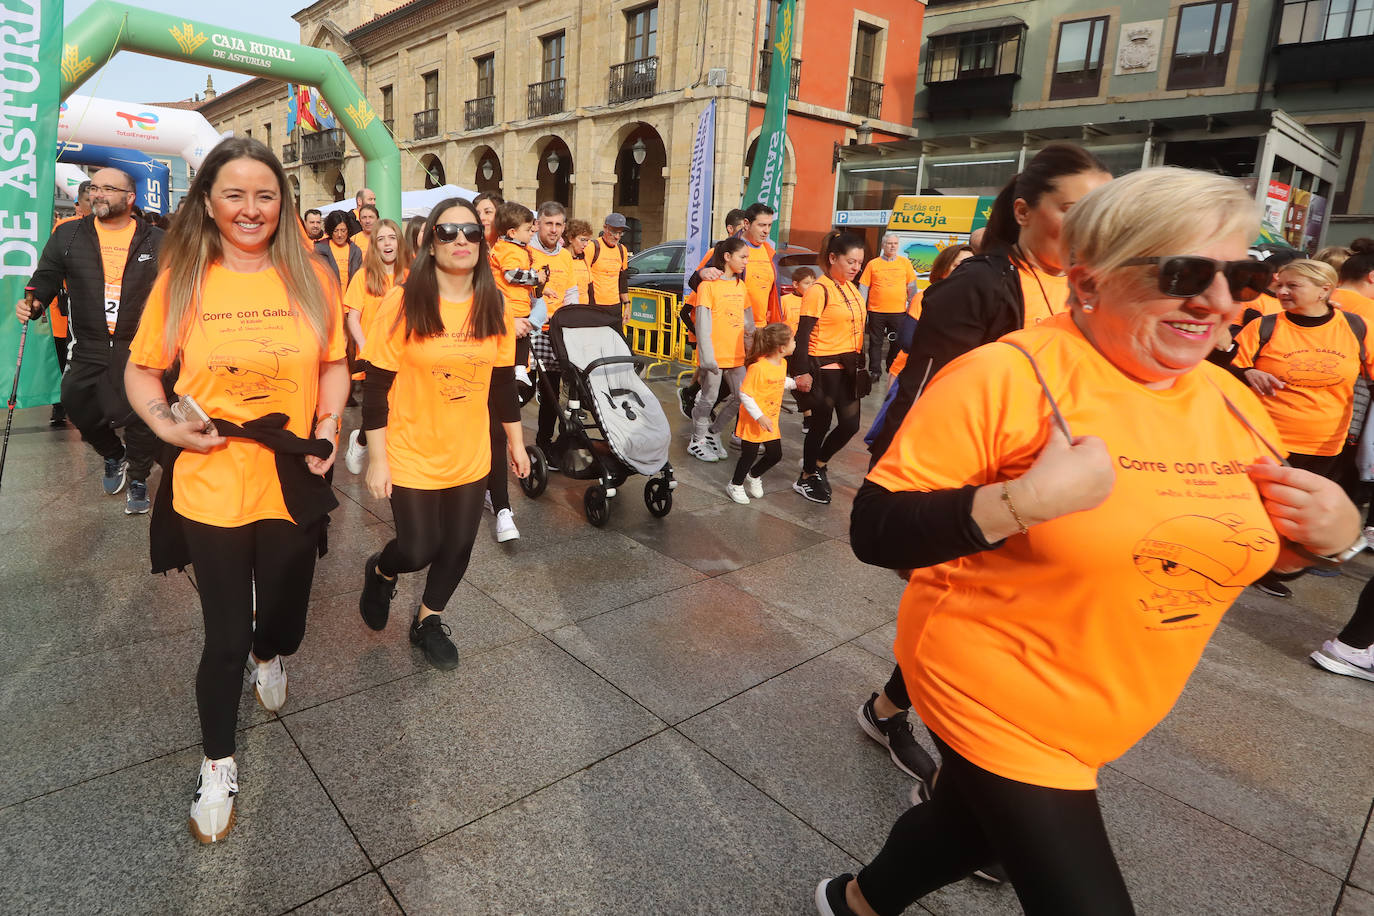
(186, 409)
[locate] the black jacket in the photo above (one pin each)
(324, 247)
(975, 305)
(73, 255)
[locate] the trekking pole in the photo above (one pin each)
(14, 389)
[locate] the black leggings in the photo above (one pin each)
(1359, 632)
(434, 528)
(548, 408)
(273, 559)
(896, 689)
(496, 478)
(748, 452)
(1052, 843)
(832, 395)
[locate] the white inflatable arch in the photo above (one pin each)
(131, 125)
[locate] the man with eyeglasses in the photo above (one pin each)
(108, 261)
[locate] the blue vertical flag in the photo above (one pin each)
(700, 188)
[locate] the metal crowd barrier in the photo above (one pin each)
(654, 332)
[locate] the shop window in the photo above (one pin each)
(1202, 45)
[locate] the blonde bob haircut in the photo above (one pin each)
(1156, 212)
(1318, 273)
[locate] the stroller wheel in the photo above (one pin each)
(538, 478)
(597, 506)
(658, 496)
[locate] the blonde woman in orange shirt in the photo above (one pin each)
(1079, 503)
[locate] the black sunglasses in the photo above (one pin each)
(447, 232)
(1185, 276)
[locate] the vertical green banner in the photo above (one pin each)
(30, 82)
(766, 171)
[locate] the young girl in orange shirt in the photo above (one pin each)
(760, 398)
(725, 325)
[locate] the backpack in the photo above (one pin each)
(1359, 412)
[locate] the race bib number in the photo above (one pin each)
(111, 306)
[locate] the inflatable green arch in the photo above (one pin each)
(106, 27)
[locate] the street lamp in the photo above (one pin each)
(639, 151)
(553, 162)
(487, 170)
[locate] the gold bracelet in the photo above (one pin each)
(1006, 498)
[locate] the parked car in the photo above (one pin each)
(661, 267)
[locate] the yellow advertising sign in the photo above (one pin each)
(937, 213)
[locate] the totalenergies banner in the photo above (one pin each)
(131, 125)
(30, 47)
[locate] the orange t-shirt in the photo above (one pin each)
(247, 354)
(791, 306)
(359, 300)
(765, 383)
(1044, 294)
(1051, 655)
(437, 429)
(759, 280)
(887, 282)
(604, 272)
(506, 255)
(914, 310)
(114, 254)
(1265, 304)
(363, 240)
(340, 253)
(1318, 367)
(1354, 303)
(726, 298)
(59, 321)
(839, 313)
(560, 277)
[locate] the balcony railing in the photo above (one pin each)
(290, 152)
(322, 146)
(637, 79)
(479, 113)
(1323, 61)
(865, 97)
(766, 73)
(426, 123)
(546, 98)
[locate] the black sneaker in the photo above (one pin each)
(58, 418)
(1272, 586)
(375, 601)
(686, 400)
(812, 488)
(894, 733)
(550, 451)
(116, 475)
(431, 635)
(825, 482)
(136, 500)
(806, 423)
(830, 896)
(992, 874)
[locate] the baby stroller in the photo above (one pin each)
(612, 425)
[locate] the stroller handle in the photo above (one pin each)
(612, 361)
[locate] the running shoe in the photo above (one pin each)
(686, 400)
(269, 683)
(1272, 586)
(812, 488)
(736, 492)
(212, 808)
(136, 501)
(698, 449)
(58, 418)
(116, 475)
(1338, 658)
(825, 481)
(355, 454)
(806, 423)
(1369, 537)
(736, 442)
(753, 486)
(894, 733)
(432, 636)
(505, 527)
(375, 602)
(830, 896)
(523, 388)
(550, 451)
(713, 443)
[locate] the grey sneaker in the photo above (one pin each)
(136, 501)
(116, 475)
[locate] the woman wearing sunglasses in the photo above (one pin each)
(432, 350)
(1080, 504)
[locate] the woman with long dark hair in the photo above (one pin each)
(432, 353)
(828, 358)
(254, 320)
(725, 325)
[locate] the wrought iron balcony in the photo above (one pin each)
(766, 73)
(636, 79)
(290, 152)
(479, 113)
(426, 123)
(322, 146)
(865, 97)
(546, 98)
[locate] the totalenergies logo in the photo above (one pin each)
(144, 121)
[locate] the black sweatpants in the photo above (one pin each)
(1359, 632)
(434, 528)
(882, 334)
(751, 464)
(87, 407)
(1052, 843)
(273, 560)
(831, 397)
(548, 409)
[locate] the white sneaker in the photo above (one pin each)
(753, 486)
(505, 526)
(212, 809)
(736, 442)
(486, 503)
(713, 443)
(269, 683)
(522, 376)
(736, 493)
(699, 449)
(1338, 658)
(355, 454)
(1369, 537)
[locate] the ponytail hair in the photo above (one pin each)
(1042, 174)
(768, 340)
(725, 247)
(837, 243)
(1360, 264)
